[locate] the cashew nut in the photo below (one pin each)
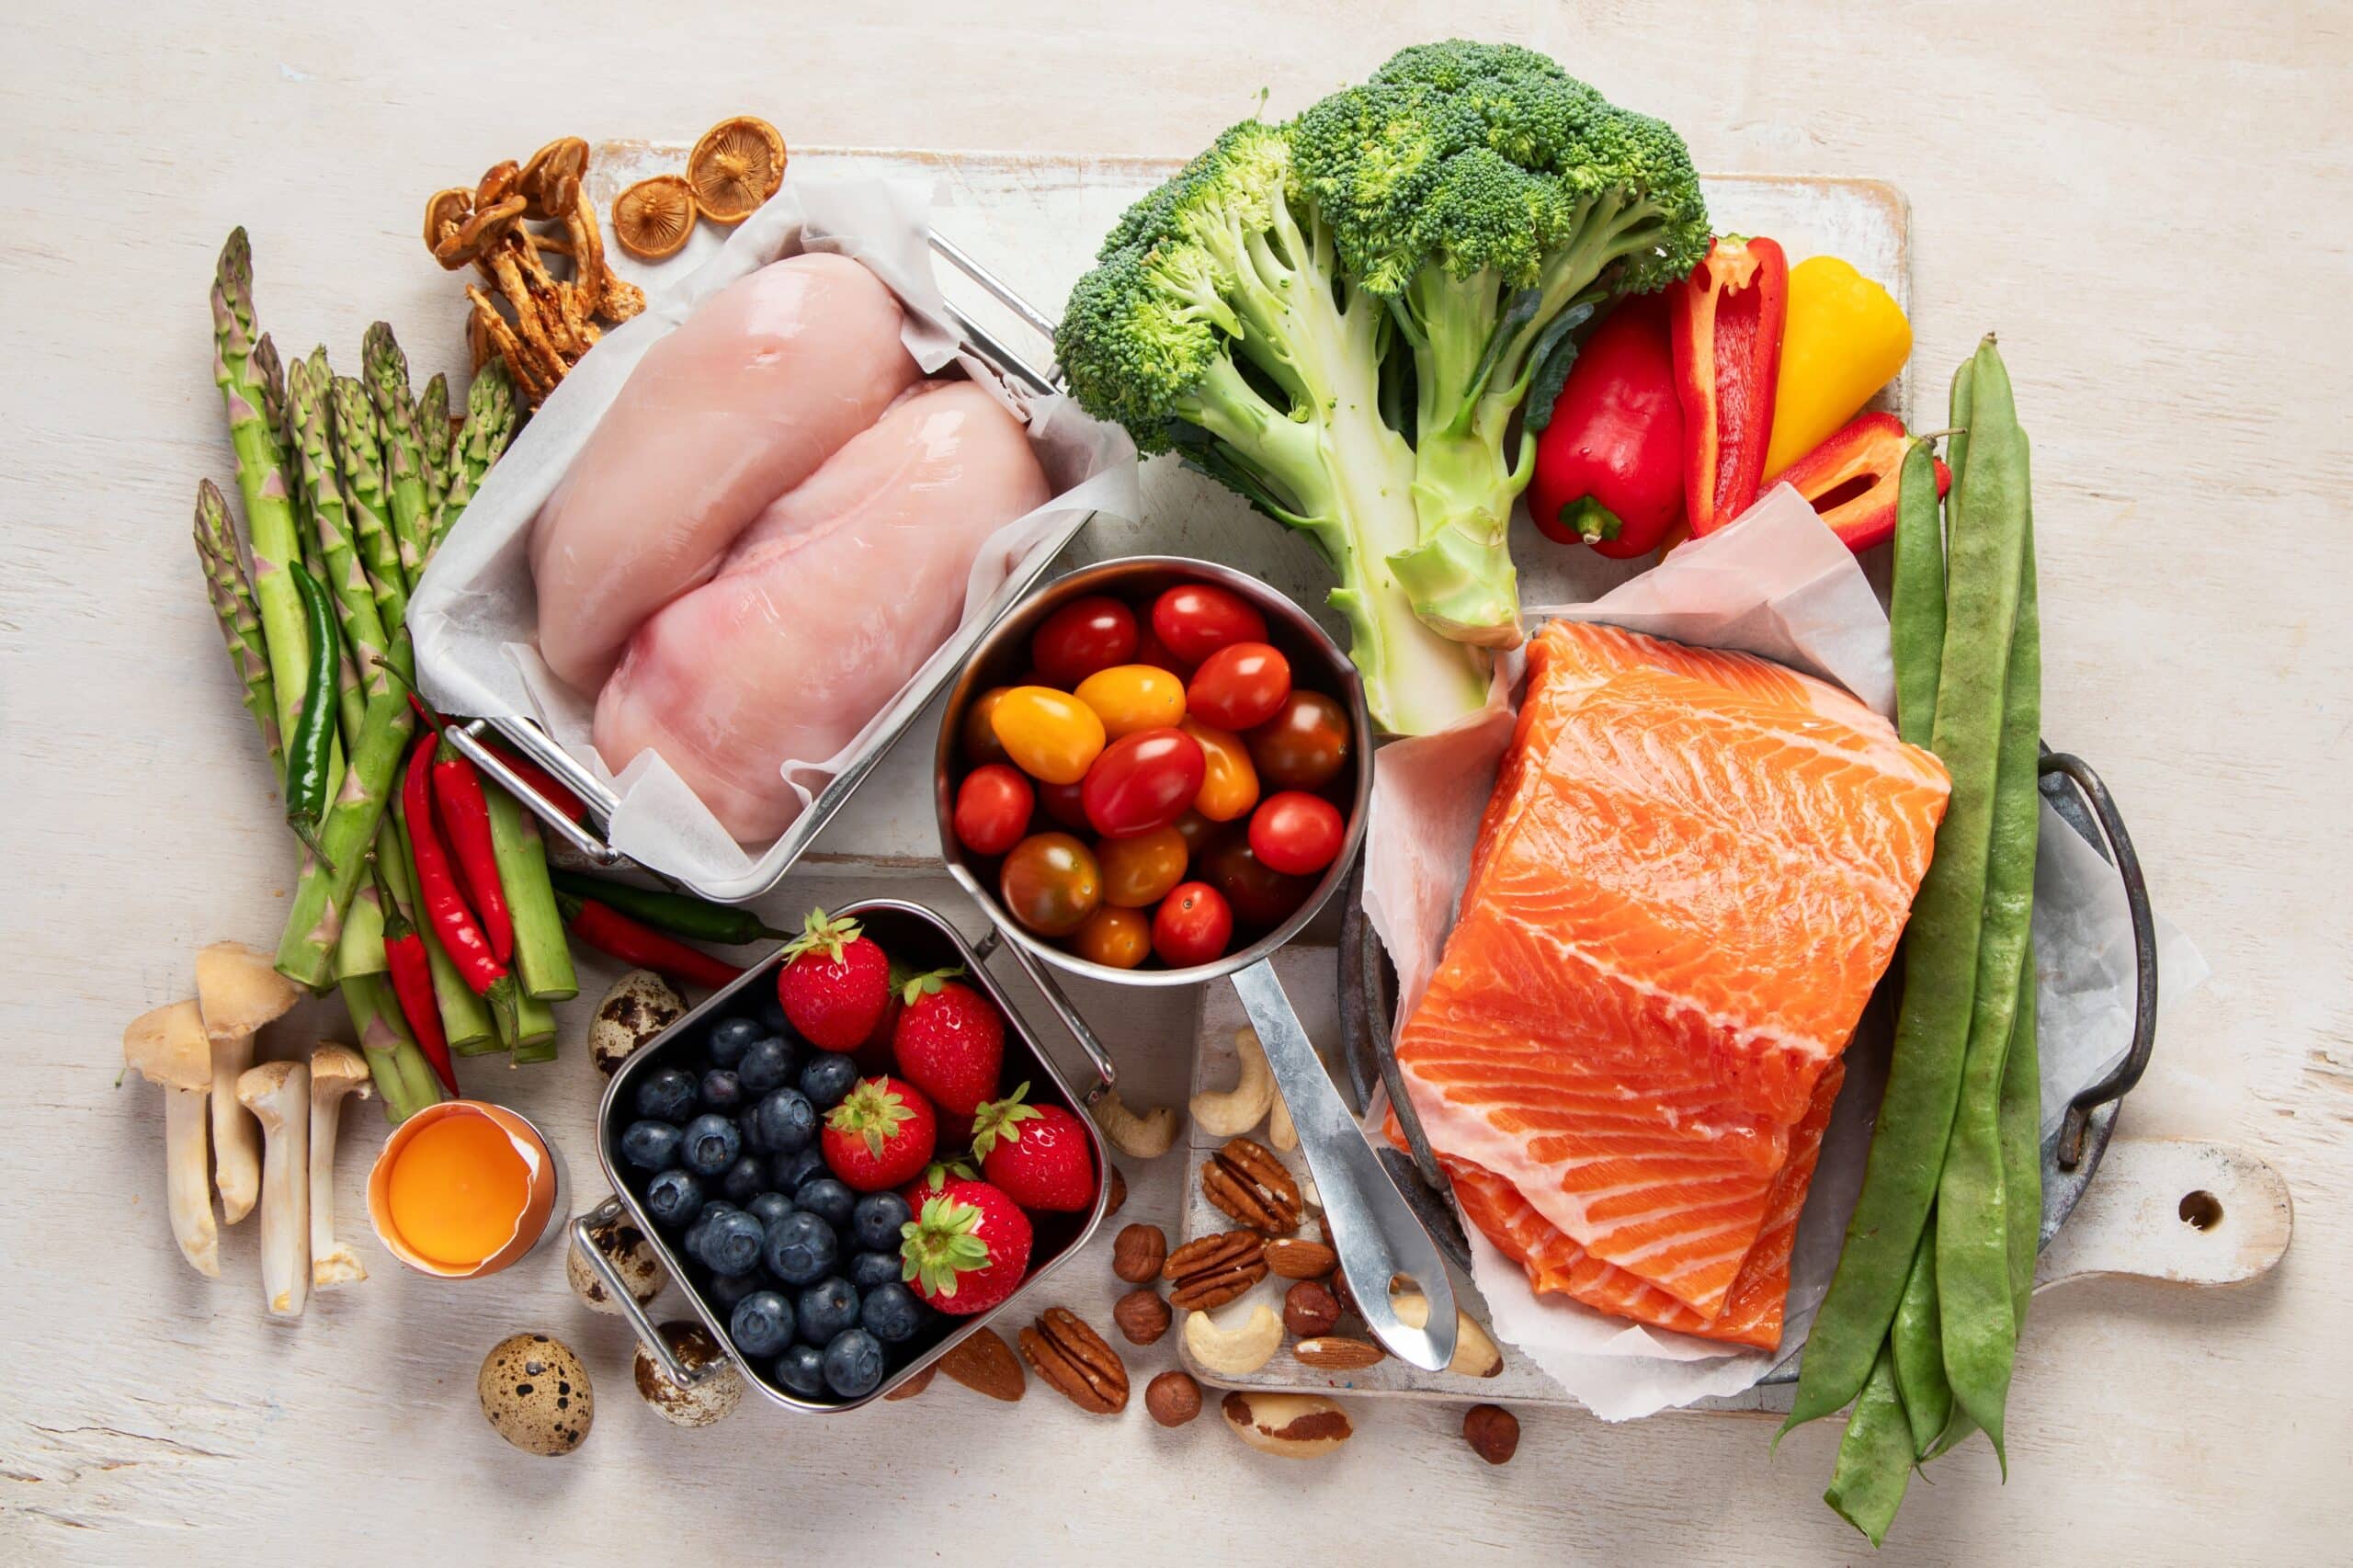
(1243, 1106)
(1289, 1425)
(1281, 1136)
(1475, 1355)
(1146, 1137)
(1234, 1352)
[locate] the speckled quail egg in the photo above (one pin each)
(535, 1393)
(699, 1403)
(640, 1005)
(632, 1257)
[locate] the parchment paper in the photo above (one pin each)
(1778, 584)
(475, 615)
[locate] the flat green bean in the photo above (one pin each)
(2023, 1145)
(1916, 611)
(1918, 1340)
(1875, 1456)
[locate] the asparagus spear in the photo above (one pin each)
(232, 593)
(359, 454)
(490, 424)
(433, 438)
(542, 957)
(385, 368)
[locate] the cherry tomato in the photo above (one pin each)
(1261, 898)
(1194, 619)
(1139, 871)
(1296, 833)
(1049, 734)
(1241, 685)
(1066, 805)
(1199, 833)
(1229, 784)
(1151, 650)
(1051, 883)
(993, 808)
(1129, 697)
(978, 735)
(1121, 939)
(1304, 746)
(1192, 925)
(1143, 781)
(1084, 636)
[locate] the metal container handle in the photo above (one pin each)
(467, 738)
(1106, 1075)
(2073, 1132)
(583, 1237)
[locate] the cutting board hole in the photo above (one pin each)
(2201, 1210)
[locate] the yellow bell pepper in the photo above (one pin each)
(1845, 339)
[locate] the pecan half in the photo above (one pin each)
(1210, 1271)
(1248, 1182)
(1076, 1362)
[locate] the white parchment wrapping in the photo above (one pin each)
(475, 615)
(1779, 583)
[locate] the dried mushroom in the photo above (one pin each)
(550, 183)
(738, 164)
(655, 218)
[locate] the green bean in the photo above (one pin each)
(1875, 1456)
(1932, 1028)
(2023, 1145)
(1917, 616)
(1917, 1341)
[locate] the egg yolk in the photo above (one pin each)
(458, 1190)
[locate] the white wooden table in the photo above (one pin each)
(2148, 206)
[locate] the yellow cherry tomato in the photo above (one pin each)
(1229, 782)
(1139, 871)
(1049, 735)
(1121, 939)
(1129, 697)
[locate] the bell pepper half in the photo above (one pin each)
(1609, 466)
(1727, 318)
(1852, 479)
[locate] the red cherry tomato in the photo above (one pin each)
(1085, 635)
(1192, 925)
(1304, 746)
(1241, 685)
(1151, 650)
(1261, 898)
(1051, 883)
(1194, 619)
(1143, 781)
(1296, 833)
(1064, 804)
(1200, 834)
(993, 808)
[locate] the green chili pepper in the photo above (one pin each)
(681, 914)
(310, 753)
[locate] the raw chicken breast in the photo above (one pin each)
(766, 380)
(824, 610)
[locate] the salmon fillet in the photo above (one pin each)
(1693, 870)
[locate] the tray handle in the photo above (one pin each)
(1106, 1076)
(467, 738)
(2076, 1129)
(583, 1237)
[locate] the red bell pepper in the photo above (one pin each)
(1609, 466)
(1852, 479)
(1727, 319)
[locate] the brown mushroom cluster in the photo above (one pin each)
(506, 228)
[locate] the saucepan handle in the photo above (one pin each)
(1106, 1076)
(583, 1237)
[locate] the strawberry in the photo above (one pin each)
(1038, 1154)
(950, 1042)
(966, 1248)
(835, 984)
(879, 1135)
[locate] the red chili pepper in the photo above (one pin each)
(437, 890)
(641, 947)
(411, 974)
(1609, 466)
(550, 789)
(465, 819)
(1853, 479)
(1727, 319)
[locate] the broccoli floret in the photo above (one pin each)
(1491, 199)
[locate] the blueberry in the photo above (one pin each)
(650, 1146)
(829, 1199)
(732, 1244)
(874, 1223)
(825, 1309)
(721, 1091)
(790, 1173)
(784, 1122)
(799, 1248)
(729, 1036)
(769, 1011)
(827, 1078)
(726, 1289)
(746, 1177)
(868, 1269)
(702, 1226)
(801, 1368)
(673, 1199)
(761, 1323)
(666, 1096)
(709, 1145)
(853, 1363)
(891, 1313)
(769, 1206)
(766, 1064)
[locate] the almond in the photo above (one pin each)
(1293, 1257)
(985, 1363)
(1337, 1352)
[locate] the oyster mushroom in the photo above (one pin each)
(655, 218)
(738, 165)
(238, 992)
(335, 1071)
(169, 1048)
(279, 1094)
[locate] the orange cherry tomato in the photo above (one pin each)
(1191, 926)
(1120, 938)
(1229, 783)
(1304, 744)
(1049, 734)
(1129, 697)
(1194, 619)
(1051, 883)
(1088, 634)
(1240, 684)
(1139, 871)
(1143, 781)
(1296, 834)
(993, 808)
(978, 735)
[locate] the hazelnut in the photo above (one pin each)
(1491, 1431)
(1138, 1252)
(1142, 1316)
(1173, 1398)
(1309, 1309)
(1119, 1199)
